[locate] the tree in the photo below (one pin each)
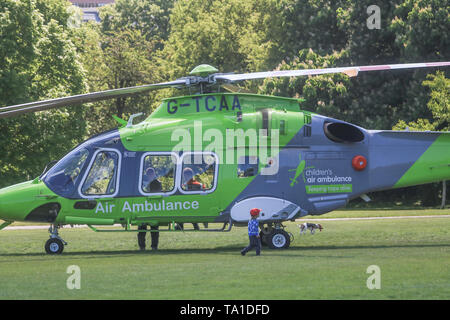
(438, 105)
(124, 60)
(230, 35)
(151, 18)
(421, 28)
(312, 24)
(120, 52)
(38, 60)
(325, 94)
(337, 34)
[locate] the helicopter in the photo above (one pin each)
(212, 156)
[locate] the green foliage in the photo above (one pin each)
(120, 59)
(149, 17)
(312, 24)
(119, 52)
(369, 98)
(421, 28)
(325, 94)
(438, 105)
(230, 35)
(37, 60)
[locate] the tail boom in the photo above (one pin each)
(403, 158)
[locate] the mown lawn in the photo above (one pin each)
(367, 213)
(412, 254)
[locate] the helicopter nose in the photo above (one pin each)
(17, 201)
(2, 211)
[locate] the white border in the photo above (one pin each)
(162, 153)
(216, 172)
(88, 169)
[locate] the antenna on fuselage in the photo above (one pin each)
(130, 120)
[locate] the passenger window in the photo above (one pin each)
(247, 166)
(102, 177)
(158, 173)
(198, 172)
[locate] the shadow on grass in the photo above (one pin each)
(390, 208)
(234, 250)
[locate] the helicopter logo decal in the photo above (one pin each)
(299, 171)
(323, 176)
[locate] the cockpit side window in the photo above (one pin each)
(103, 175)
(64, 175)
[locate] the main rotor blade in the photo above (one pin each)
(234, 88)
(350, 71)
(9, 111)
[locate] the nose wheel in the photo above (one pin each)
(54, 245)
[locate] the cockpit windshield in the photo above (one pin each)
(63, 176)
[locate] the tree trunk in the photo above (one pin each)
(444, 193)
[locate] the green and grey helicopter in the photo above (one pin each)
(210, 157)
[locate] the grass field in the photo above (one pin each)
(355, 213)
(413, 256)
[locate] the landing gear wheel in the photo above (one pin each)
(54, 246)
(279, 239)
(263, 238)
(265, 234)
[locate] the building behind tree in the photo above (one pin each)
(90, 8)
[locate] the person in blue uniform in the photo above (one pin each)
(253, 233)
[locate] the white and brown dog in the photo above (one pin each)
(309, 226)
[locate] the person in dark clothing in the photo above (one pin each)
(151, 183)
(253, 233)
(153, 235)
(141, 236)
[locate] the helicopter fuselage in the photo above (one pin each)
(212, 157)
